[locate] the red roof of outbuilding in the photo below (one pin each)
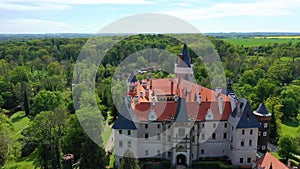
(268, 159)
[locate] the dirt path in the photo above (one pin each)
(110, 143)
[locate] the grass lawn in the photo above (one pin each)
(106, 133)
(290, 128)
(20, 122)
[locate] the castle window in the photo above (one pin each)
(265, 125)
(225, 135)
(213, 136)
(128, 132)
(158, 137)
(120, 143)
(242, 143)
(158, 126)
(129, 143)
(202, 151)
(169, 154)
(225, 125)
(181, 132)
(259, 133)
(120, 131)
(203, 125)
(263, 147)
(146, 152)
(250, 142)
(232, 128)
(214, 125)
(248, 160)
(203, 136)
(243, 132)
(193, 139)
(146, 126)
(146, 136)
(241, 160)
(264, 133)
(251, 131)
(258, 146)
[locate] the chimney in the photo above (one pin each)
(289, 164)
(147, 94)
(172, 86)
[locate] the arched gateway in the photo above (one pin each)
(181, 159)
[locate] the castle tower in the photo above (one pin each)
(184, 68)
(264, 118)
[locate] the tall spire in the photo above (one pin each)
(186, 56)
(184, 68)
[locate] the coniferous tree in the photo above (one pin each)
(129, 161)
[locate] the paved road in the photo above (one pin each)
(180, 167)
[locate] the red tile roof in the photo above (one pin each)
(268, 159)
(166, 109)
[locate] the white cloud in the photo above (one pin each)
(180, 4)
(33, 26)
(253, 8)
(61, 4)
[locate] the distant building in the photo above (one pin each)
(175, 119)
(264, 118)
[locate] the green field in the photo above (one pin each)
(248, 42)
(290, 128)
(20, 122)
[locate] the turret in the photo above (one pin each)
(264, 117)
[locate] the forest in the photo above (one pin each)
(38, 124)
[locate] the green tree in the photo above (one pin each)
(274, 106)
(248, 77)
(129, 161)
(46, 130)
(92, 155)
(5, 138)
(288, 99)
(263, 89)
(287, 147)
(77, 142)
(47, 101)
(280, 72)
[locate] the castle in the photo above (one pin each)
(180, 121)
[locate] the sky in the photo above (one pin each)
(89, 16)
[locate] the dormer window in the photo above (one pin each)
(209, 115)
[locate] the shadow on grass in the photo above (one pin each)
(17, 117)
(291, 123)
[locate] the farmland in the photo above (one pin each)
(259, 41)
